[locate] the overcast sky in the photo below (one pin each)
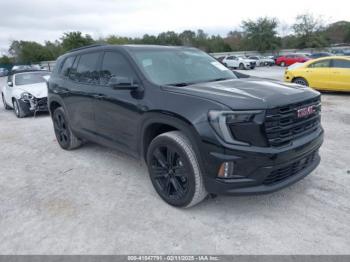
(40, 20)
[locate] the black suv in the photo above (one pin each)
(199, 128)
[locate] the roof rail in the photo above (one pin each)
(85, 47)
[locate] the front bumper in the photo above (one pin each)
(35, 105)
(265, 171)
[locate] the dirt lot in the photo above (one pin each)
(98, 201)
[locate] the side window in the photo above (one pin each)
(320, 64)
(67, 65)
(341, 63)
(86, 71)
(115, 68)
(230, 58)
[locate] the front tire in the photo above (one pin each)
(174, 170)
(4, 102)
(19, 112)
(64, 135)
(283, 64)
(300, 81)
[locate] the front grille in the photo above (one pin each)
(282, 124)
(41, 104)
(283, 173)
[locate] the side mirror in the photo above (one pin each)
(10, 83)
(122, 83)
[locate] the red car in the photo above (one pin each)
(288, 60)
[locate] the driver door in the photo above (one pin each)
(116, 111)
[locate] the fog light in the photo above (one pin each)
(226, 170)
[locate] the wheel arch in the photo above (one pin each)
(157, 123)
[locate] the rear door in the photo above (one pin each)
(318, 74)
(82, 81)
(340, 75)
(117, 111)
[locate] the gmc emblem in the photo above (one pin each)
(306, 111)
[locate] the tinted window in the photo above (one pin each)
(86, 71)
(67, 65)
(340, 63)
(116, 66)
(320, 64)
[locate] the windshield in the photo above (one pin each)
(180, 67)
(30, 78)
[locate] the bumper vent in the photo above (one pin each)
(283, 173)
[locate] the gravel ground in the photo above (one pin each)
(98, 201)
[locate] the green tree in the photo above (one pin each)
(74, 40)
(118, 40)
(188, 38)
(168, 38)
(29, 52)
(261, 34)
(5, 60)
(309, 31)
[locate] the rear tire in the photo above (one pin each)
(300, 81)
(4, 102)
(283, 64)
(174, 170)
(64, 135)
(241, 66)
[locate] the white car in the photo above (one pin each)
(262, 60)
(238, 62)
(26, 92)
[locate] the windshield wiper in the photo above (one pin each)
(181, 84)
(220, 79)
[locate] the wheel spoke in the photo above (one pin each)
(167, 186)
(160, 158)
(170, 157)
(177, 186)
(159, 172)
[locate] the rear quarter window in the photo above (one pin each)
(67, 65)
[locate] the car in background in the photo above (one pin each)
(288, 60)
(26, 92)
(319, 55)
(262, 60)
(220, 58)
(3, 72)
(327, 73)
(240, 62)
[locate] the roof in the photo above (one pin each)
(129, 47)
(27, 71)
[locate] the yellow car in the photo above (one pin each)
(330, 73)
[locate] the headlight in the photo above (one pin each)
(220, 120)
(27, 96)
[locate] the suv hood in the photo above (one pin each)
(248, 93)
(38, 90)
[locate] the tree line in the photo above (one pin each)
(260, 35)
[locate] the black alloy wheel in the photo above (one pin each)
(170, 174)
(174, 170)
(61, 128)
